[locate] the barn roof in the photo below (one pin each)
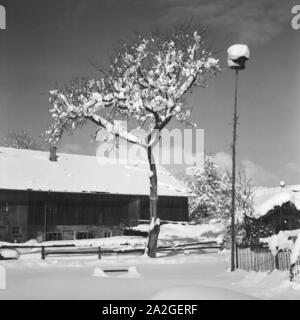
(32, 170)
(266, 199)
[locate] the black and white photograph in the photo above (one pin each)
(149, 151)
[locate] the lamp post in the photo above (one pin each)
(238, 54)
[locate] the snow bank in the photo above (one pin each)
(170, 234)
(98, 272)
(202, 232)
(32, 242)
(196, 276)
(132, 273)
(113, 242)
(280, 241)
(9, 254)
(274, 285)
(199, 293)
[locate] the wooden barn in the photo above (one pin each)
(78, 196)
(275, 209)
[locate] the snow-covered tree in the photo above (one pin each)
(244, 194)
(146, 83)
(213, 189)
(21, 140)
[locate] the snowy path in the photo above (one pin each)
(193, 276)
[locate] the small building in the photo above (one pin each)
(275, 209)
(79, 196)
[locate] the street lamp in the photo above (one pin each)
(238, 55)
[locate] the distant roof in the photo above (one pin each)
(266, 199)
(32, 170)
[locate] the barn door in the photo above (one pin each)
(4, 230)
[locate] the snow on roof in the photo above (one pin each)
(32, 170)
(266, 199)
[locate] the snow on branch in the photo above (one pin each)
(146, 82)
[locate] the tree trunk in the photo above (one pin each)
(154, 222)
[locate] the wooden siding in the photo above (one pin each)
(169, 208)
(76, 212)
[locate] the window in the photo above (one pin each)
(4, 207)
(84, 235)
(107, 234)
(15, 231)
(53, 236)
(52, 209)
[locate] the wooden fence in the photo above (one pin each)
(73, 250)
(260, 258)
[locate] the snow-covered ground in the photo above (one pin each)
(170, 234)
(172, 275)
(173, 234)
(180, 276)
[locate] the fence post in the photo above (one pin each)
(236, 256)
(43, 253)
(99, 252)
(291, 272)
(277, 261)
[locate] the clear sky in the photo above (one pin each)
(50, 42)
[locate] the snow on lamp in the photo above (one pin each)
(238, 54)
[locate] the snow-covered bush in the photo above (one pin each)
(280, 241)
